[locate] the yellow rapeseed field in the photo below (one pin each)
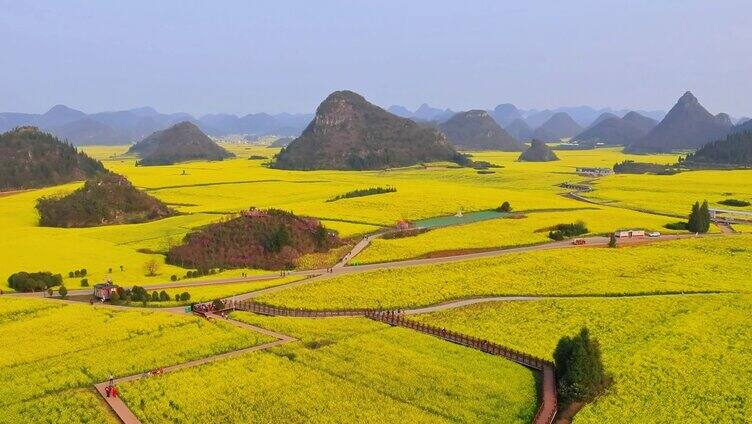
(49, 347)
(698, 264)
(679, 359)
(343, 370)
(496, 233)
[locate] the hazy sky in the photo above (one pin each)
(241, 57)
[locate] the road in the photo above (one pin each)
(342, 268)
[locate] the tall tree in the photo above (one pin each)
(579, 367)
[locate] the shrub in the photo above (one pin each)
(84, 282)
(218, 304)
(63, 292)
(579, 367)
(681, 226)
(562, 231)
(185, 296)
(163, 296)
(76, 273)
(154, 296)
(139, 294)
(115, 297)
(151, 267)
(734, 202)
(83, 272)
(71, 274)
(173, 277)
(505, 207)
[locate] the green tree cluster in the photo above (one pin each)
(579, 367)
(699, 218)
(34, 281)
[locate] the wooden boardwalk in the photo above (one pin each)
(126, 415)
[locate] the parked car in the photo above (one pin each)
(578, 242)
(654, 234)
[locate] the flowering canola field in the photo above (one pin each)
(51, 353)
(698, 264)
(680, 359)
(343, 370)
(498, 233)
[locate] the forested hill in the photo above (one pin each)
(348, 132)
(180, 143)
(105, 200)
(30, 158)
(734, 150)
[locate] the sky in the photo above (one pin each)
(282, 56)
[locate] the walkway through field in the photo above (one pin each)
(127, 417)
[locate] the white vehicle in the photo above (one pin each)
(654, 234)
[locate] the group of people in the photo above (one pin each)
(203, 307)
(156, 372)
(111, 390)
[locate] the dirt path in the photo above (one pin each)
(725, 228)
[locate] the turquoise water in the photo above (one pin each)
(470, 217)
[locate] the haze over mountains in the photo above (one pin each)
(476, 130)
(130, 126)
(687, 126)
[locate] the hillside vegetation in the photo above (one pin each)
(348, 132)
(106, 200)
(734, 150)
(180, 143)
(270, 239)
(30, 158)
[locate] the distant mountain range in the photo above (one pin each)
(612, 130)
(560, 125)
(130, 126)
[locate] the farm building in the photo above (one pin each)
(595, 172)
(104, 291)
(629, 233)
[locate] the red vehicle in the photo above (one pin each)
(578, 242)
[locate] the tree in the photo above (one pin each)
(163, 296)
(612, 240)
(579, 367)
(50, 292)
(151, 267)
(63, 292)
(154, 296)
(185, 296)
(699, 218)
(705, 217)
(218, 304)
